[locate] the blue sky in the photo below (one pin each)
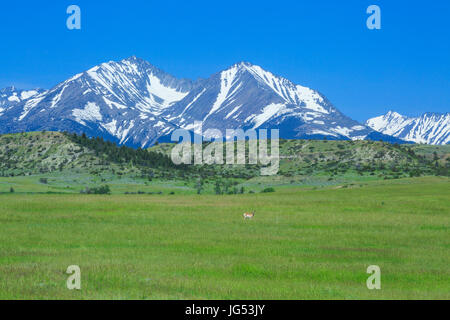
(322, 44)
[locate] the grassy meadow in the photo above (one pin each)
(305, 242)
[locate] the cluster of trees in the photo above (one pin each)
(228, 187)
(97, 190)
(124, 154)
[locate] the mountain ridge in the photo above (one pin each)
(429, 128)
(134, 103)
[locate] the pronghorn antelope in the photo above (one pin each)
(248, 215)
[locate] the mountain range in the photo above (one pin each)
(429, 128)
(134, 103)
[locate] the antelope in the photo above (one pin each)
(249, 215)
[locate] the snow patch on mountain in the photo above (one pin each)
(233, 111)
(167, 94)
(14, 97)
(91, 112)
(57, 97)
(11, 96)
(267, 113)
(111, 127)
(30, 104)
(24, 95)
(113, 104)
(191, 103)
(124, 132)
(227, 79)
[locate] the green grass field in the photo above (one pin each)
(304, 243)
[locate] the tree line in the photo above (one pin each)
(123, 154)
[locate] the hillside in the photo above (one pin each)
(42, 152)
(60, 162)
(335, 158)
(48, 152)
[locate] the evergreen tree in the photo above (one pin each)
(217, 188)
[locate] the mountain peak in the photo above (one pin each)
(133, 58)
(243, 64)
(394, 114)
(238, 66)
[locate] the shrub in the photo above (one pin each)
(97, 190)
(267, 190)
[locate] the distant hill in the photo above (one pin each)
(45, 152)
(336, 158)
(49, 152)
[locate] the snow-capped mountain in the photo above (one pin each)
(10, 97)
(247, 96)
(429, 128)
(134, 103)
(120, 101)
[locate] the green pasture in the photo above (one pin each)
(304, 242)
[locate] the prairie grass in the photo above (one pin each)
(302, 244)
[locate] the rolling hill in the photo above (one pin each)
(54, 154)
